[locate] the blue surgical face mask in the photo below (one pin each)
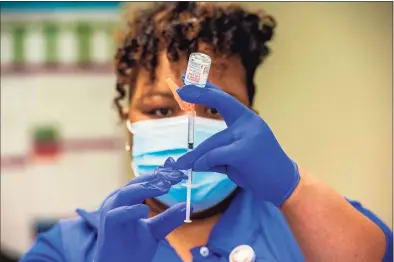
(156, 140)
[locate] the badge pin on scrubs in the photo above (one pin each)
(242, 253)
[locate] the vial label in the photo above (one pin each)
(197, 70)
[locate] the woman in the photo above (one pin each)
(248, 193)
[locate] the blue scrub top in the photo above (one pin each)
(258, 224)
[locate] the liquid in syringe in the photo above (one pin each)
(190, 146)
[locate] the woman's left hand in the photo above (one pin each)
(247, 151)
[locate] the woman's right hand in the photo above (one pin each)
(125, 231)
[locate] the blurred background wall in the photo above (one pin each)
(61, 145)
(326, 91)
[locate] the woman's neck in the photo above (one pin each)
(194, 234)
(187, 236)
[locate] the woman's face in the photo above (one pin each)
(155, 100)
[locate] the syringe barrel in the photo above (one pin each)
(190, 144)
(188, 195)
(190, 129)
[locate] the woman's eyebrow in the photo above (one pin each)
(234, 95)
(158, 93)
(169, 95)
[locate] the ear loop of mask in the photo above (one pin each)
(132, 131)
(128, 147)
(129, 127)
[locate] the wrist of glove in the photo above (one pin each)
(247, 151)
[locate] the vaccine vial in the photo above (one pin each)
(197, 69)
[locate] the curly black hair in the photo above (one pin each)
(179, 28)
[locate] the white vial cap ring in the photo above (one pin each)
(197, 69)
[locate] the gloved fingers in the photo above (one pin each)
(212, 86)
(169, 166)
(141, 178)
(173, 176)
(229, 107)
(223, 169)
(164, 223)
(170, 172)
(169, 162)
(123, 215)
(226, 169)
(209, 84)
(216, 157)
(167, 170)
(136, 193)
(235, 176)
(148, 177)
(222, 138)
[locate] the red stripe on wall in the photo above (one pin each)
(13, 161)
(80, 145)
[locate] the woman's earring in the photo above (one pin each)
(127, 147)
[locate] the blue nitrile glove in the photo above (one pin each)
(247, 151)
(125, 233)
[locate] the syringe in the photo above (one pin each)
(191, 114)
(190, 145)
(197, 74)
